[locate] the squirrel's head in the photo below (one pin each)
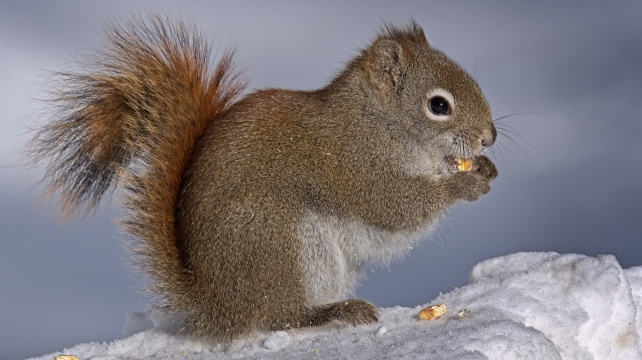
(426, 101)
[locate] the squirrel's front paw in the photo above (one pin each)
(486, 168)
(471, 185)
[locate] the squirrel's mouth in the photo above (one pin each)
(456, 164)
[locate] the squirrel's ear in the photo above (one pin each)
(385, 62)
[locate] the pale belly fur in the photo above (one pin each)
(334, 251)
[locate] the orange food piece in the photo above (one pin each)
(433, 312)
(464, 164)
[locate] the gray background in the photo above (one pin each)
(569, 182)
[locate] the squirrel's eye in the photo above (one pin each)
(439, 106)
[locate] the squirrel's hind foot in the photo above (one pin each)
(353, 312)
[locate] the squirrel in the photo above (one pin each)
(255, 212)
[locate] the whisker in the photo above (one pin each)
(475, 67)
(448, 154)
(514, 114)
(498, 149)
(443, 247)
(508, 129)
(513, 152)
(465, 151)
(517, 144)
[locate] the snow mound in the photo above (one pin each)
(524, 305)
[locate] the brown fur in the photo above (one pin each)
(217, 190)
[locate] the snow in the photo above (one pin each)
(524, 305)
(277, 341)
(382, 331)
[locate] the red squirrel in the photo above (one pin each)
(256, 212)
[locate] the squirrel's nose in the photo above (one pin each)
(488, 136)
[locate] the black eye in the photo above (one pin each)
(439, 106)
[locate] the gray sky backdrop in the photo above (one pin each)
(572, 184)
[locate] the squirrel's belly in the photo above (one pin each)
(334, 250)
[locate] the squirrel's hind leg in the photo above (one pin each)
(353, 312)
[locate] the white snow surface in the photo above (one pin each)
(520, 306)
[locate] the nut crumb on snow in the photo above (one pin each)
(433, 312)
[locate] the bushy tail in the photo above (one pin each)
(131, 116)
